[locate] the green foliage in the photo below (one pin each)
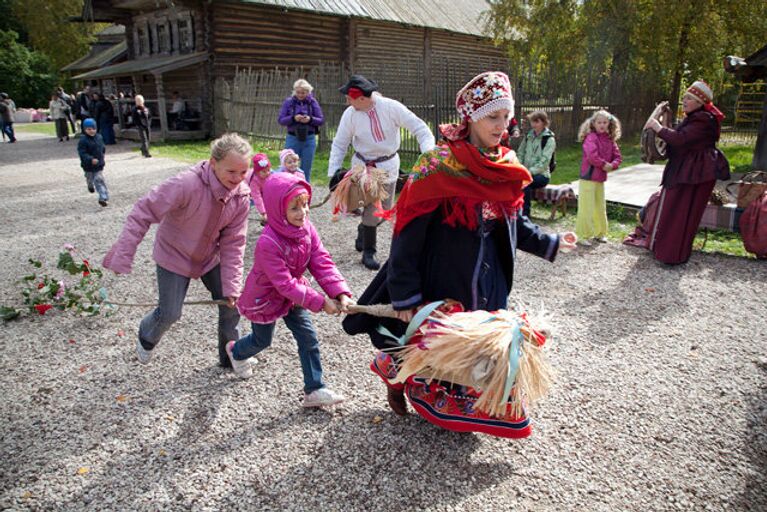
(631, 44)
(45, 21)
(41, 291)
(27, 76)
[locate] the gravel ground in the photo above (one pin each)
(660, 401)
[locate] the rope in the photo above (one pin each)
(216, 302)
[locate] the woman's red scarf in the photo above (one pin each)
(458, 178)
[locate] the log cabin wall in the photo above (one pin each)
(245, 35)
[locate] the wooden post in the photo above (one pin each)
(352, 44)
(161, 107)
(759, 163)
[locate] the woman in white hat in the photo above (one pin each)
(694, 164)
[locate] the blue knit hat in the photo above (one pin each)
(89, 123)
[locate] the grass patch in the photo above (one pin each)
(194, 151)
(621, 220)
(44, 128)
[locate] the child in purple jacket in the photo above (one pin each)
(276, 287)
(203, 223)
(601, 155)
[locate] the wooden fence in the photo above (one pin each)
(250, 103)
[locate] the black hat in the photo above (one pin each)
(360, 82)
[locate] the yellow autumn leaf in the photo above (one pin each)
(377, 419)
(163, 453)
(83, 470)
(26, 495)
(121, 398)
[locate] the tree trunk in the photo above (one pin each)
(684, 41)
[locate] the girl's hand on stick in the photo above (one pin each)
(344, 301)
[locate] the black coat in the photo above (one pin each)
(141, 118)
(89, 148)
(432, 261)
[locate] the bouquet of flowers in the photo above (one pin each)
(42, 291)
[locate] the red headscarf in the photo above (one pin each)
(459, 179)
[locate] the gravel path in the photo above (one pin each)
(660, 401)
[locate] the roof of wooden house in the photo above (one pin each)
(462, 16)
(154, 65)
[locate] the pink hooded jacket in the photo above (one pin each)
(598, 150)
(256, 182)
(283, 253)
(201, 223)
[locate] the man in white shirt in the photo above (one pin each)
(176, 110)
(372, 125)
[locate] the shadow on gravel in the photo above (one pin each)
(46, 148)
(755, 492)
(395, 464)
(648, 293)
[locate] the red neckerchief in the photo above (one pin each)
(460, 191)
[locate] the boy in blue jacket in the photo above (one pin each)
(91, 150)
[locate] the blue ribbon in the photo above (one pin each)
(515, 352)
(414, 324)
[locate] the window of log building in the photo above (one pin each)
(163, 38)
(185, 35)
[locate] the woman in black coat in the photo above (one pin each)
(458, 226)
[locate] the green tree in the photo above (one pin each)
(50, 32)
(27, 76)
(630, 45)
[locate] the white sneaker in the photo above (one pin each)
(144, 355)
(241, 368)
(322, 397)
(584, 243)
(601, 239)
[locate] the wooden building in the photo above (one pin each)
(754, 68)
(108, 48)
(186, 45)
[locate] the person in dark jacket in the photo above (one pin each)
(7, 110)
(302, 115)
(92, 150)
(104, 114)
(694, 164)
(142, 120)
(458, 226)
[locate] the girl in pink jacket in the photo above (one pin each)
(601, 155)
(276, 287)
(262, 168)
(203, 222)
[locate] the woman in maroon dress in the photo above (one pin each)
(694, 164)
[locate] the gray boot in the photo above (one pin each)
(358, 241)
(369, 247)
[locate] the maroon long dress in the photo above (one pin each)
(693, 166)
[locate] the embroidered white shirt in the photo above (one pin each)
(376, 133)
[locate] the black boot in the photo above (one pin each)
(369, 247)
(358, 241)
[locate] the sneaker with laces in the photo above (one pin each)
(144, 355)
(241, 368)
(322, 397)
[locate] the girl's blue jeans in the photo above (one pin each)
(173, 288)
(300, 324)
(305, 151)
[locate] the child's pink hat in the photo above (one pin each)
(261, 162)
(286, 153)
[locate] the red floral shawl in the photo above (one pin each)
(458, 178)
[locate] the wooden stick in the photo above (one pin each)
(216, 302)
(380, 310)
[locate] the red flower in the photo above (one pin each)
(40, 285)
(87, 271)
(42, 308)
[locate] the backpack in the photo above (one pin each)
(553, 161)
(753, 227)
